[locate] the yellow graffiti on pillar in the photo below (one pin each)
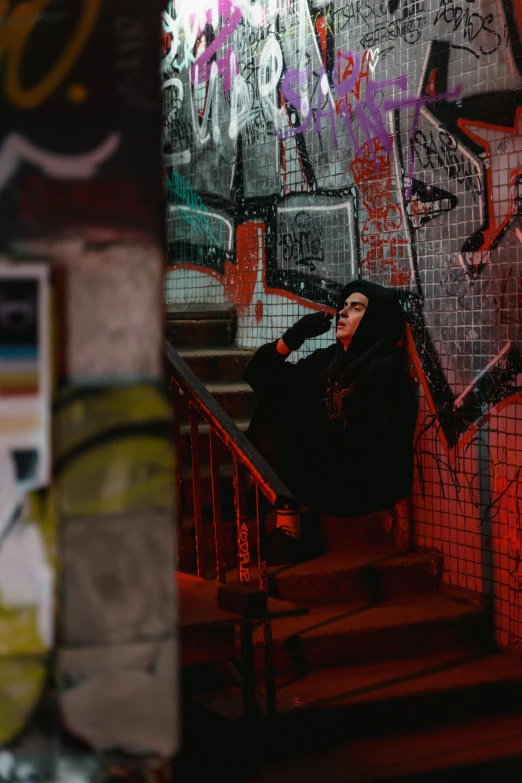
(14, 37)
(22, 611)
(114, 451)
(21, 684)
(24, 653)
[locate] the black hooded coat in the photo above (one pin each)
(338, 425)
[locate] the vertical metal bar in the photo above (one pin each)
(261, 545)
(247, 671)
(216, 506)
(271, 701)
(243, 549)
(196, 492)
(178, 479)
(271, 706)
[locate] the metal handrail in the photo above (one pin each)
(202, 402)
(227, 430)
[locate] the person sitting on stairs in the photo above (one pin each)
(338, 425)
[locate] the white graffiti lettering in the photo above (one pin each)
(17, 150)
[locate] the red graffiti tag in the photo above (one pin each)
(384, 249)
(356, 73)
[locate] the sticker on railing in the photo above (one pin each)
(244, 554)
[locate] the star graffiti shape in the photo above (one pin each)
(503, 149)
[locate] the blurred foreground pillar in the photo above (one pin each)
(88, 656)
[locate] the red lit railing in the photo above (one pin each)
(245, 457)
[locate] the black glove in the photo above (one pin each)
(311, 325)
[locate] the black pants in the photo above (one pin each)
(318, 474)
(279, 432)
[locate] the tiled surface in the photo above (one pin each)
(379, 139)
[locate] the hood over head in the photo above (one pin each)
(379, 333)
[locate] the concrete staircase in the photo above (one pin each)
(389, 677)
(204, 336)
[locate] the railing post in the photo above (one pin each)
(248, 671)
(196, 492)
(267, 624)
(216, 506)
(261, 545)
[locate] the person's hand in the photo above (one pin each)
(311, 325)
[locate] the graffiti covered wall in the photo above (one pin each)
(305, 144)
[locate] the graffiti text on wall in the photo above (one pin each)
(89, 62)
(280, 112)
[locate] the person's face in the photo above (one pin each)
(350, 317)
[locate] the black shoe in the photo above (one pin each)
(282, 548)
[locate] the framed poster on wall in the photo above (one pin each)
(24, 383)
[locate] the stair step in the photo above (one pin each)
(359, 533)
(199, 310)
(356, 631)
(354, 531)
(351, 570)
(217, 364)
(198, 332)
(404, 693)
(482, 750)
(237, 399)
(365, 576)
(370, 573)
(205, 645)
(369, 698)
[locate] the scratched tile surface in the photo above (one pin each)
(306, 144)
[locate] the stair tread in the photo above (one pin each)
(378, 682)
(345, 559)
(404, 754)
(194, 318)
(198, 604)
(212, 351)
(359, 616)
(199, 310)
(216, 387)
(372, 682)
(341, 560)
